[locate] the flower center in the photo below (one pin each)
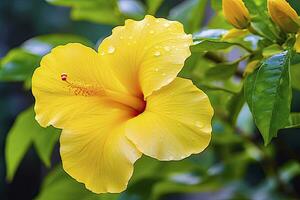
(81, 89)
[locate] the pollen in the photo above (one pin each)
(82, 89)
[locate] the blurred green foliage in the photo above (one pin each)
(240, 100)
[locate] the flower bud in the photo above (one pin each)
(297, 43)
(284, 15)
(236, 13)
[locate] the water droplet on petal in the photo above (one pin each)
(156, 69)
(156, 53)
(121, 37)
(102, 53)
(111, 49)
(167, 48)
(151, 31)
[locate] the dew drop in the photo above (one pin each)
(102, 53)
(121, 37)
(167, 48)
(156, 69)
(156, 53)
(111, 49)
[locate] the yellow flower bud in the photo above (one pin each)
(253, 65)
(284, 15)
(236, 13)
(297, 43)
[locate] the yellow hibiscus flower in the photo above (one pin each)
(122, 102)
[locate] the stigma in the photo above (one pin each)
(63, 76)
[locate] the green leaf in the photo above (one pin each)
(216, 5)
(235, 105)
(97, 14)
(25, 132)
(18, 141)
(72, 2)
(295, 74)
(249, 88)
(43, 44)
(132, 9)
(289, 170)
(191, 13)
(20, 63)
(210, 45)
(153, 6)
(209, 34)
(222, 71)
(271, 50)
(260, 21)
(268, 94)
(294, 121)
(44, 141)
(98, 11)
(60, 186)
(171, 187)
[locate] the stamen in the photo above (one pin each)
(82, 89)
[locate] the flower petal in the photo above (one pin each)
(95, 151)
(175, 124)
(147, 54)
(57, 100)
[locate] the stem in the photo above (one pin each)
(210, 87)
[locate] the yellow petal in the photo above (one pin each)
(76, 92)
(236, 13)
(175, 124)
(251, 66)
(87, 84)
(147, 54)
(284, 15)
(235, 33)
(95, 151)
(297, 43)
